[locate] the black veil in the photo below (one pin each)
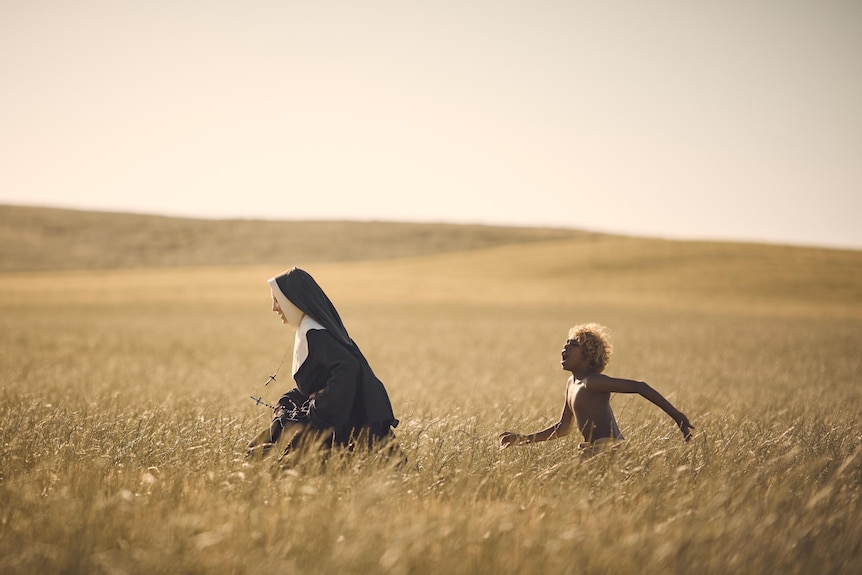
(299, 287)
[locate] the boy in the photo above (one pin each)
(588, 393)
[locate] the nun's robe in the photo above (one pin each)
(342, 393)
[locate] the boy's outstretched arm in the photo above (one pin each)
(606, 384)
(559, 429)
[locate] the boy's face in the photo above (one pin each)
(572, 357)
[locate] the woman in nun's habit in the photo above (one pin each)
(337, 401)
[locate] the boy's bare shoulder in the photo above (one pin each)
(594, 382)
(596, 377)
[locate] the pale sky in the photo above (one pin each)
(737, 120)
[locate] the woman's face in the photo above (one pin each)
(277, 309)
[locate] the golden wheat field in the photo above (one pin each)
(125, 410)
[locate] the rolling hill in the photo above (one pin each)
(33, 238)
(122, 257)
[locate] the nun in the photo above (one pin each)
(337, 401)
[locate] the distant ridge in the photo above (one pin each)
(37, 238)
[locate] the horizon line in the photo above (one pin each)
(433, 222)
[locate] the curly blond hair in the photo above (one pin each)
(595, 341)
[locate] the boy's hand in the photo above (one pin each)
(684, 425)
(508, 438)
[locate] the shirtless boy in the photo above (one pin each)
(588, 393)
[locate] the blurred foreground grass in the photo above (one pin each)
(125, 410)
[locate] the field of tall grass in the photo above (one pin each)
(125, 409)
